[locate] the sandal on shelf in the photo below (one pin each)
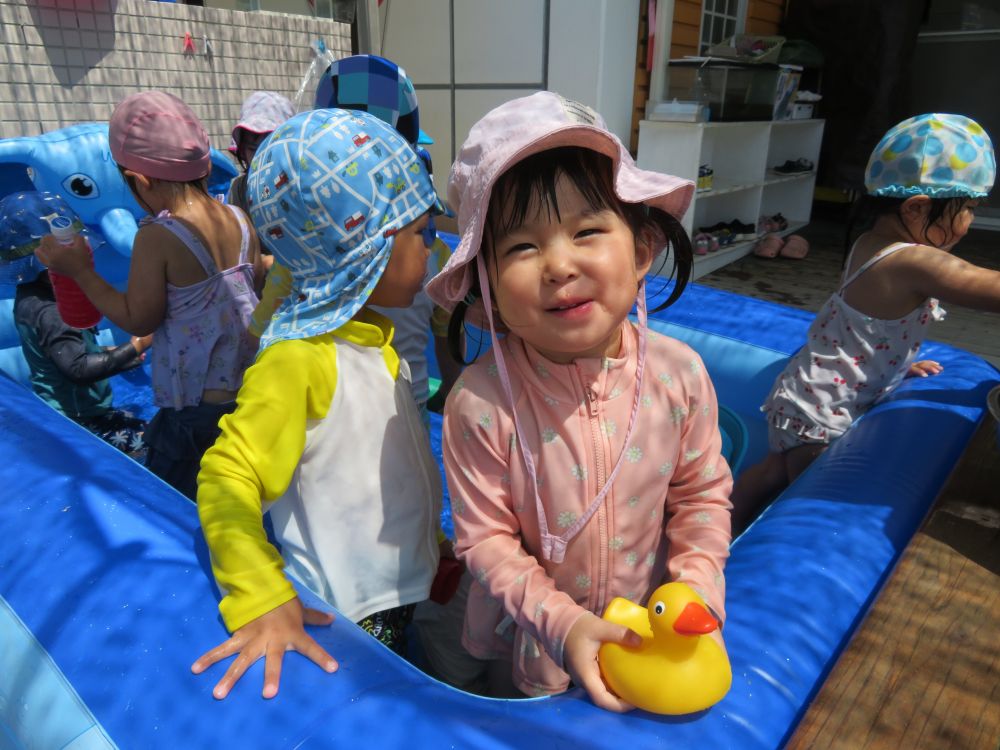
(795, 247)
(742, 232)
(766, 225)
(796, 166)
(701, 243)
(769, 246)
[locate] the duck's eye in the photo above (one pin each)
(659, 608)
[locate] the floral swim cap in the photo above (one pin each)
(938, 155)
(328, 191)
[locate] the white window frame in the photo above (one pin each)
(713, 21)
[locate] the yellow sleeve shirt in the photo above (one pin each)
(256, 456)
(253, 461)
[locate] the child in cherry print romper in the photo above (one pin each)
(923, 182)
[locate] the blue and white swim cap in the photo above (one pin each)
(938, 155)
(327, 191)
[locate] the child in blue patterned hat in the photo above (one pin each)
(373, 84)
(924, 180)
(325, 435)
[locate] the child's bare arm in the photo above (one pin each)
(260, 266)
(141, 308)
(269, 636)
(930, 272)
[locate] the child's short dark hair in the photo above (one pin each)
(868, 208)
(199, 184)
(591, 173)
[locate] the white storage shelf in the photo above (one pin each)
(742, 156)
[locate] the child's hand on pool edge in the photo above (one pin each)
(580, 657)
(270, 635)
(923, 368)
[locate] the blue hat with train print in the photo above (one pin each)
(23, 223)
(327, 191)
(938, 155)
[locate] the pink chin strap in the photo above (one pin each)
(554, 547)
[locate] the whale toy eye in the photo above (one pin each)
(80, 185)
(659, 608)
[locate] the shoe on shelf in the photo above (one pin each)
(798, 166)
(766, 225)
(769, 246)
(780, 222)
(795, 246)
(741, 231)
(701, 243)
(705, 174)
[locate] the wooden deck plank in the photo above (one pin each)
(924, 669)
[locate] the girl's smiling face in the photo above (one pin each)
(566, 277)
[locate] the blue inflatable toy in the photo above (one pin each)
(75, 162)
(107, 597)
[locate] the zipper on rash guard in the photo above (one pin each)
(593, 412)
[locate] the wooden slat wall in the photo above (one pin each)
(641, 86)
(687, 25)
(763, 17)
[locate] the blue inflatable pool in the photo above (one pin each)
(106, 595)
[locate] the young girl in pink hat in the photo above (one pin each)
(195, 267)
(583, 452)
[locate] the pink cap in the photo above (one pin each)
(262, 112)
(512, 132)
(157, 135)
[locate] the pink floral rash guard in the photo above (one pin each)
(667, 516)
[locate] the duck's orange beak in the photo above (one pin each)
(695, 620)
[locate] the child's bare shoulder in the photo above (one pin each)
(155, 240)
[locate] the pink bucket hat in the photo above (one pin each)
(156, 134)
(514, 131)
(262, 112)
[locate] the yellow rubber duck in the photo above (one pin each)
(678, 669)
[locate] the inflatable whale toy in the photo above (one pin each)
(75, 162)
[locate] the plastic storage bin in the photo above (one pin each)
(735, 91)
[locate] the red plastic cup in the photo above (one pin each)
(75, 308)
(445, 583)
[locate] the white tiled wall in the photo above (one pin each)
(69, 61)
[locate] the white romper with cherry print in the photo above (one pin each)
(849, 361)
